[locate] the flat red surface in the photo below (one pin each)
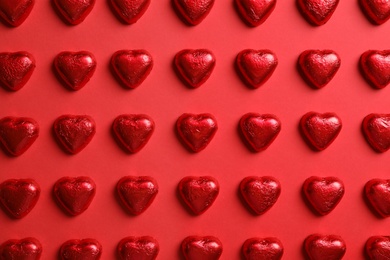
(164, 97)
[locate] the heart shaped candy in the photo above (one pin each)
(378, 11)
(19, 196)
(321, 247)
(196, 131)
(377, 192)
(260, 193)
(140, 248)
(198, 193)
(375, 67)
(256, 66)
(201, 247)
(74, 11)
(131, 67)
(15, 12)
(130, 11)
(74, 195)
(378, 248)
(259, 130)
(317, 12)
(137, 193)
(81, 249)
(376, 129)
(24, 249)
(133, 131)
(75, 69)
(16, 69)
(323, 193)
(194, 66)
(255, 12)
(320, 130)
(318, 67)
(193, 11)
(74, 132)
(17, 134)
(269, 248)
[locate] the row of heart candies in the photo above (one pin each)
(254, 13)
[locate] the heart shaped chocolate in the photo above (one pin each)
(378, 11)
(130, 11)
(376, 129)
(317, 12)
(255, 12)
(74, 132)
(196, 131)
(198, 193)
(24, 249)
(193, 11)
(256, 66)
(194, 66)
(201, 247)
(321, 247)
(378, 248)
(260, 193)
(323, 193)
(131, 67)
(318, 67)
(320, 130)
(81, 249)
(375, 67)
(74, 195)
(133, 131)
(16, 69)
(259, 130)
(268, 248)
(140, 248)
(74, 11)
(377, 192)
(17, 134)
(137, 193)
(19, 196)
(15, 12)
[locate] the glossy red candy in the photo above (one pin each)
(130, 11)
(269, 248)
(196, 131)
(74, 195)
(139, 248)
(133, 131)
(19, 196)
(131, 67)
(194, 66)
(198, 193)
(378, 11)
(15, 12)
(323, 193)
(74, 11)
(16, 69)
(378, 248)
(81, 249)
(74, 132)
(255, 12)
(325, 247)
(320, 130)
(376, 129)
(193, 11)
(377, 192)
(317, 12)
(318, 67)
(201, 248)
(75, 69)
(24, 249)
(137, 193)
(17, 134)
(375, 67)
